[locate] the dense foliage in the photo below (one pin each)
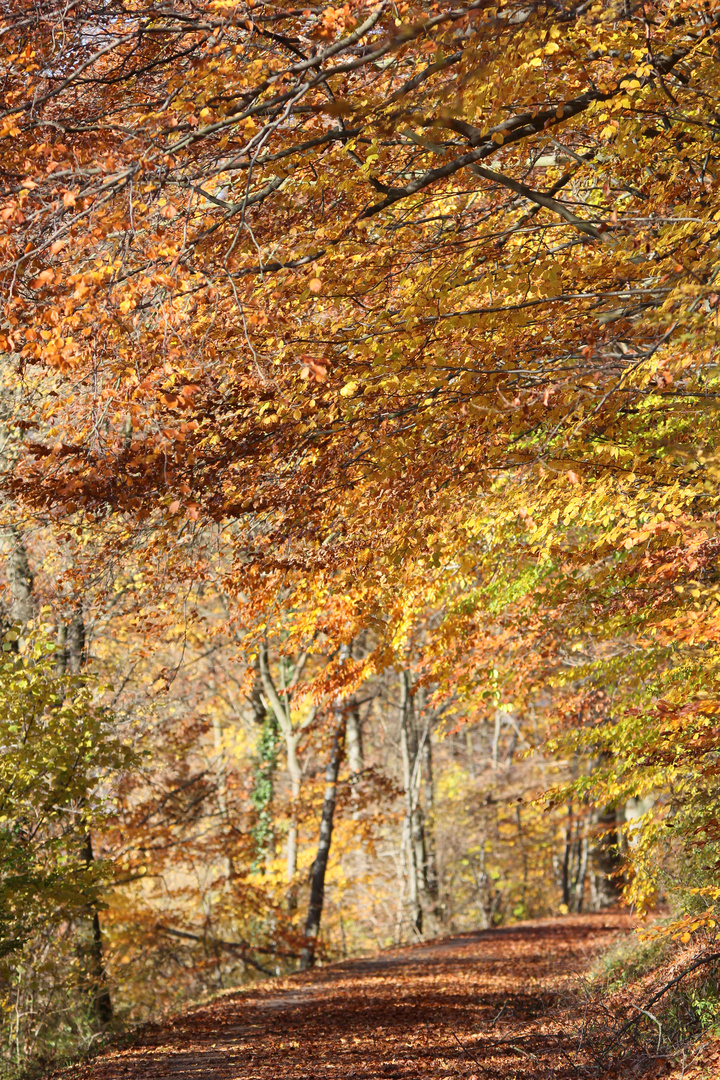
(59, 753)
(365, 357)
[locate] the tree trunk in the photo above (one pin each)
(605, 855)
(414, 826)
(582, 871)
(75, 642)
(523, 853)
(317, 882)
(74, 657)
(606, 860)
(292, 837)
(496, 739)
(281, 709)
(263, 792)
(100, 1000)
(566, 870)
(353, 736)
(61, 651)
(407, 763)
(432, 881)
(21, 580)
(488, 897)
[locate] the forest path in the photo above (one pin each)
(485, 1005)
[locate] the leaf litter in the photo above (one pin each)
(490, 1005)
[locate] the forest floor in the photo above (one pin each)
(505, 1004)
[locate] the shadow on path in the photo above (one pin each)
(485, 1006)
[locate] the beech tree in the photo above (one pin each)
(281, 708)
(411, 312)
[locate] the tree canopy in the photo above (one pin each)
(393, 323)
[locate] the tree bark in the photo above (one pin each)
(100, 1000)
(496, 739)
(263, 792)
(566, 870)
(281, 709)
(353, 735)
(582, 871)
(71, 652)
(21, 579)
(414, 826)
(431, 876)
(73, 641)
(317, 882)
(61, 651)
(606, 860)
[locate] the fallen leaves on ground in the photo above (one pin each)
(491, 1004)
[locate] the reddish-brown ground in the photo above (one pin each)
(489, 1006)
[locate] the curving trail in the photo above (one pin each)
(485, 1005)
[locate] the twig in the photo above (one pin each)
(655, 1020)
(233, 946)
(495, 1019)
(663, 990)
(468, 1053)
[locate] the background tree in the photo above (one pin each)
(395, 324)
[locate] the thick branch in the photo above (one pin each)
(538, 198)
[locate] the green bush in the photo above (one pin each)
(58, 753)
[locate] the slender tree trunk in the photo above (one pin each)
(354, 749)
(566, 884)
(353, 737)
(487, 895)
(582, 871)
(496, 739)
(281, 708)
(317, 881)
(415, 828)
(292, 836)
(523, 852)
(61, 651)
(415, 908)
(100, 1000)
(295, 773)
(75, 657)
(75, 646)
(420, 854)
(21, 579)
(432, 880)
(263, 792)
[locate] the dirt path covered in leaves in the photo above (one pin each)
(482, 1005)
